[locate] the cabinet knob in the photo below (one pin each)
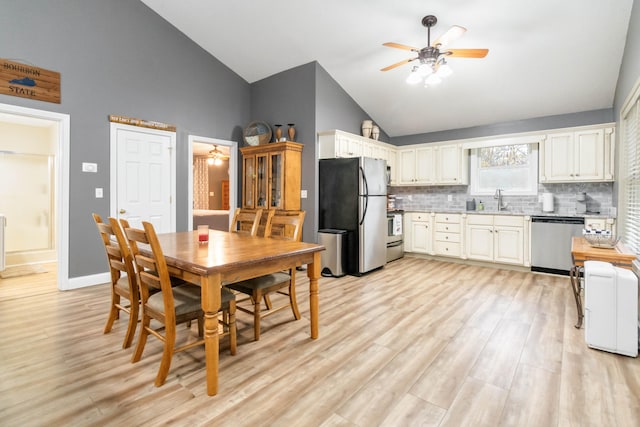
(446, 237)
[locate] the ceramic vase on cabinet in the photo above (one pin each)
(278, 132)
(367, 127)
(292, 132)
(375, 132)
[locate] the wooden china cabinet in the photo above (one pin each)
(271, 176)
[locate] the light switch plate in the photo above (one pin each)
(303, 194)
(99, 193)
(89, 167)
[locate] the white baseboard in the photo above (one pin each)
(85, 281)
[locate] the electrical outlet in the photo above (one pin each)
(410, 198)
(449, 197)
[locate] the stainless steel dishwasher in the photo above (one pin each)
(551, 242)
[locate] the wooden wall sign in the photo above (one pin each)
(141, 123)
(27, 81)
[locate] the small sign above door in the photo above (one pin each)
(27, 81)
(142, 123)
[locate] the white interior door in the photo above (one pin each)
(143, 165)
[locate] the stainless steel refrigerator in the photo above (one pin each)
(353, 197)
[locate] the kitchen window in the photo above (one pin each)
(512, 168)
(630, 173)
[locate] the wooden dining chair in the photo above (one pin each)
(172, 305)
(122, 285)
(284, 226)
(246, 221)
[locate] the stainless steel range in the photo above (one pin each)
(395, 235)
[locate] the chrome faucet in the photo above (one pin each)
(498, 196)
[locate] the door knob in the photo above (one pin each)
(122, 211)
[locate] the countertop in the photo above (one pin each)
(508, 212)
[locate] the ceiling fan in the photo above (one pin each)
(432, 58)
(216, 156)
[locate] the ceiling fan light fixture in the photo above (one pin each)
(425, 69)
(215, 157)
(432, 80)
(444, 70)
(414, 77)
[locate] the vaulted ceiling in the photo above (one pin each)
(546, 57)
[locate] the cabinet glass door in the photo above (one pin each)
(262, 180)
(276, 181)
(247, 182)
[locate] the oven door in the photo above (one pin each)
(394, 228)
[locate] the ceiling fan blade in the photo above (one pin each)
(467, 53)
(397, 64)
(451, 34)
(400, 46)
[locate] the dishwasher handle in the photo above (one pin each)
(558, 219)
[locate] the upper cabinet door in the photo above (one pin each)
(407, 170)
(248, 182)
(276, 182)
(558, 157)
(425, 165)
(589, 155)
(449, 164)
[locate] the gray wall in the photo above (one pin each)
(630, 67)
(309, 97)
(119, 57)
(529, 125)
(336, 109)
(289, 97)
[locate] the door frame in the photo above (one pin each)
(233, 173)
(61, 179)
(113, 184)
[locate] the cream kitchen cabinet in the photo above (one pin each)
(452, 165)
(498, 238)
(447, 236)
(417, 166)
(581, 155)
(433, 164)
(336, 143)
(420, 232)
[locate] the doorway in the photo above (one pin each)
(50, 214)
(143, 176)
(217, 161)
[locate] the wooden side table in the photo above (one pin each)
(582, 251)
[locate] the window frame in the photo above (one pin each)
(629, 161)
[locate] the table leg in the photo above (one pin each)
(313, 272)
(574, 277)
(210, 305)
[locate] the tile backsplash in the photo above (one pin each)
(599, 198)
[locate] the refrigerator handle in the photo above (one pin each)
(365, 195)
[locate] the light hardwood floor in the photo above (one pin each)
(420, 342)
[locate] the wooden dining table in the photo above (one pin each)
(582, 251)
(232, 257)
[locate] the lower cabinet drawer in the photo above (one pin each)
(447, 237)
(447, 248)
